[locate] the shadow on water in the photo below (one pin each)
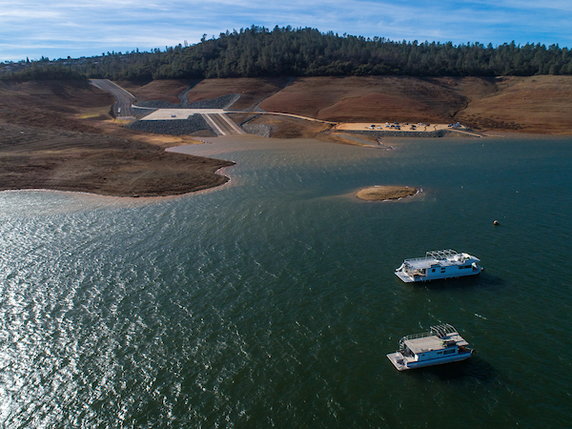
(473, 368)
(488, 279)
(484, 280)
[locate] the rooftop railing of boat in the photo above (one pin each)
(422, 258)
(443, 330)
(435, 254)
(441, 254)
(440, 331)
(415, 336)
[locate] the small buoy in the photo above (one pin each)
(496, 222)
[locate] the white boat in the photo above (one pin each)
(439, 264)
(442, 344)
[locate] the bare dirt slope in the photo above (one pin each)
(536, 104)
(52, 104)
(165, 90)
(57, 135)
(287, 127)
(368, 98)
(251, 90)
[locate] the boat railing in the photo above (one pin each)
(415, 336)
(443, 330)
(420, 259)
(441, 254)
(440, 331)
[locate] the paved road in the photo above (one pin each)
(176, 113)
(222, 124)
(219, 122)
(291, 115)
(122, 108)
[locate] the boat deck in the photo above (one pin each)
(441, 258)
(424, 262)
(404, 276)
(426, 344)
(397, 360)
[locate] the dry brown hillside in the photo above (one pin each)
(56, 135)
(165, 90)
(51, 104)
(252, 90)
(368, 98)
(536, 104)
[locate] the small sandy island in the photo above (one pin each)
(384, 193)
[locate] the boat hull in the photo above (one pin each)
(402, 365)
(417, 279)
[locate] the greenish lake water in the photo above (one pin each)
(271, 301)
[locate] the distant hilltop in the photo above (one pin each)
(287, 51)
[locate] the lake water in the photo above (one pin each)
(271, 301)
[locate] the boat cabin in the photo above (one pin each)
(439, 264)
(442, 344)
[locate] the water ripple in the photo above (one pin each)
(265, 305)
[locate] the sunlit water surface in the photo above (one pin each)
(271, 301)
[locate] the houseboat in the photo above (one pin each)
(442, 344)
(439, 264)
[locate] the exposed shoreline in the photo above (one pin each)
(102, 164)
(128, 198)
(31, 175)
(59, 136)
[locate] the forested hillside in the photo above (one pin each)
(284, 51)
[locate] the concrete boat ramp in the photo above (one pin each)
(174, 114)
(217, 119)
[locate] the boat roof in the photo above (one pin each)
(441, 258)
(427, 344)
(436, 339)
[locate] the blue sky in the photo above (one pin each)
(58, 28)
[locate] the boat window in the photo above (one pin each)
(433, 269)
(448, 352)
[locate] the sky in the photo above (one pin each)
(62, 28)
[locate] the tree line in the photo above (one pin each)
(286, 51)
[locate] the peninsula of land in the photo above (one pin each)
(60, 136)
